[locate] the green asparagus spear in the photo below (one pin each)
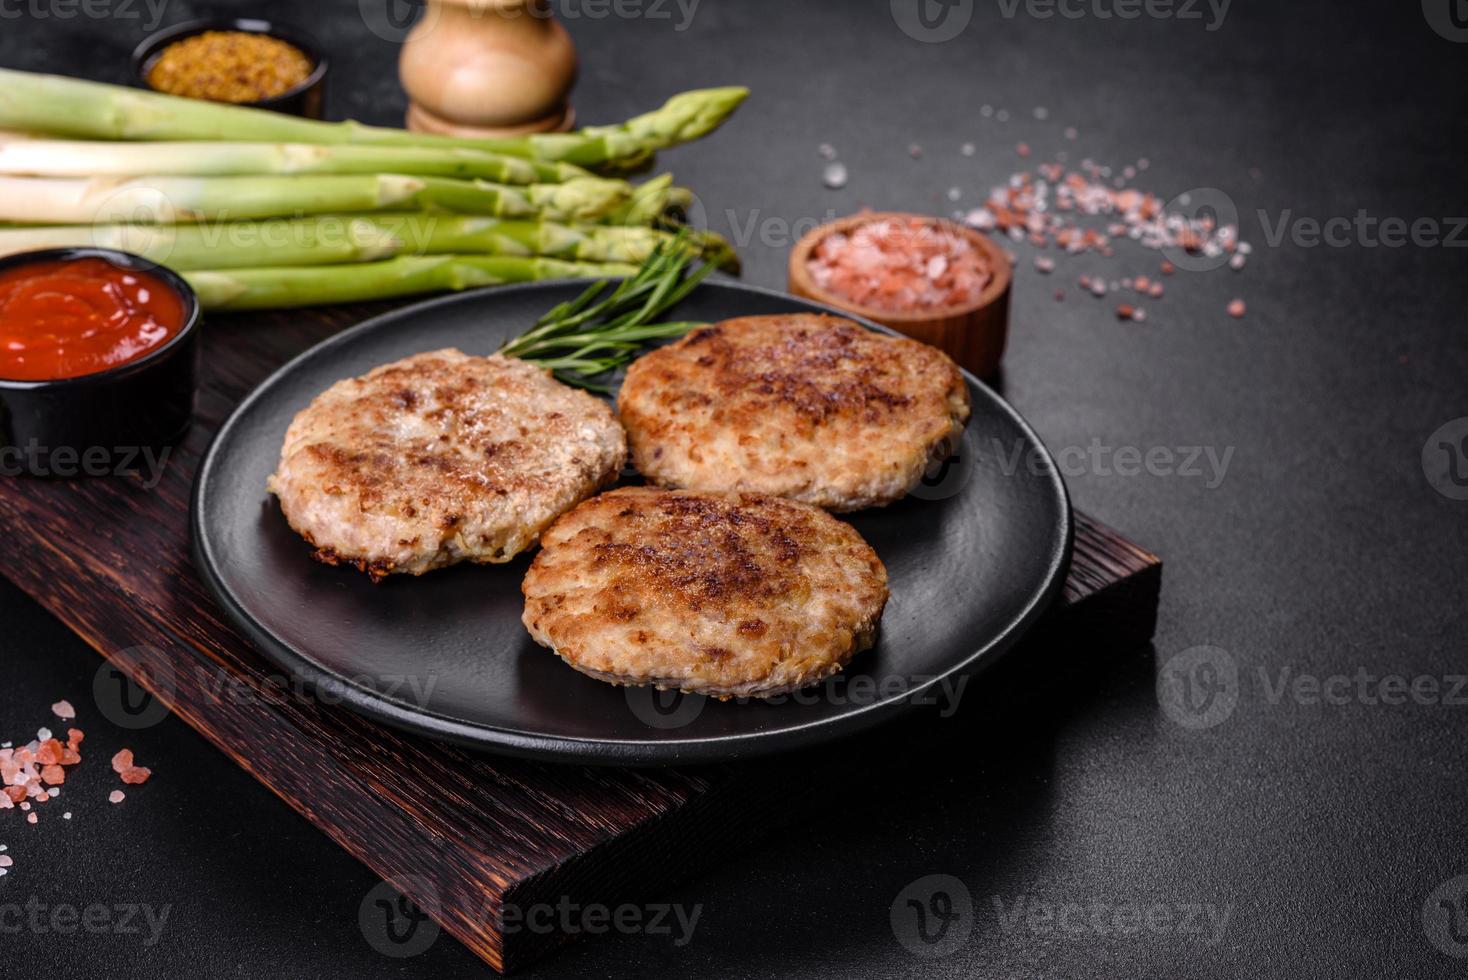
(64, 158)
(273, 288)
(168, 200)
(57, 106)
(343, 238)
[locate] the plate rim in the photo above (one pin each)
(578, 749)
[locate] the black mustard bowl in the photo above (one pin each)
(103, 423)
(307, 99)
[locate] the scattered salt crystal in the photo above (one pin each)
(1023, 149)
(968, 149)
(836, 176)
(1044, 263)
(1236, 309)
(116, 796)
(986, 111)
(1245, 248)
(6, 861)
(1236, 262)
(954, 193)
(3, 872)
(1002, 115)
(981, 218)
(30, 818)
(1042, 113)
(66, 815)
(43, 734)
(828, 151)
(63, 710)
(1071, 133)
(915, 151)
(1143, 163)
(1139, 315)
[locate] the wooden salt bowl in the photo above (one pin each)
(974, 335)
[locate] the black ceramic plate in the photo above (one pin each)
(974, 557)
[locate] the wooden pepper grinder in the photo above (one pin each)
(488, 68)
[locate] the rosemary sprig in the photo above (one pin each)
(597, 332)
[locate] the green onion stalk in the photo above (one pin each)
(64, 158)
(347, 238)
(170, 200)
(54, 105)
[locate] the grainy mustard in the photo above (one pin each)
(229, 66)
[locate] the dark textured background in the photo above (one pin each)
(1325, 550)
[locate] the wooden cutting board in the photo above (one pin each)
(467, 837)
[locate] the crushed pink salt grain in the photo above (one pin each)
(136, 775)
(30, 818)
(122, 761)
(901, 265)
(1236, 309)
(116, 796)
(63, 710)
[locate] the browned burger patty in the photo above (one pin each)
(723, 594)
(814, 408)
(441, 458)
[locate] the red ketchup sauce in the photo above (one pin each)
(72, 317)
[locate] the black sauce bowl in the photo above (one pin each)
(307, 99)
(116, 421)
